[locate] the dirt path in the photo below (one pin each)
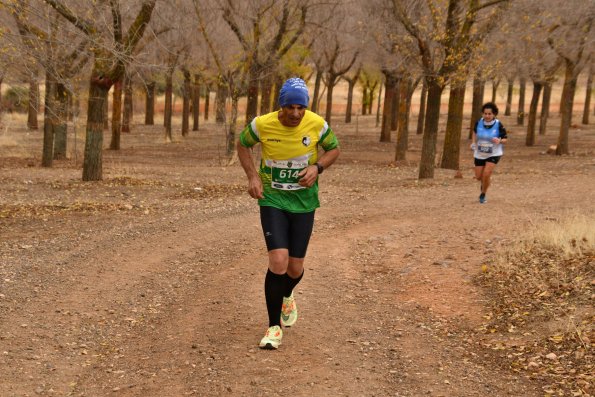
(151, 285)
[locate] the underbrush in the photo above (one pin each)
(541, 292)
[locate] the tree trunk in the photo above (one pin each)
(186, 94)
(220, 99)
(477, 103)
(495, 85)
(371, 97)
(428, 149)
(47, 155)
(508, 110)
(406, 92)
(545, 107)
(365, 100)
(60, 121)
(116, 116)
(378, 105)
(150, 103)
(169, 108)
(566, 103)
(106, 114)
(92, 163)
(520, 120)
(265, 96)
(252, 100)
(195, 102)
(207, 100)
(451, 151)
(587, 107)
(332, 79)
(279, 83)
(394, 110)
(128, 111)
(530, 139)
(1, 107)
(231, 135)
(317, 83)
(422, 107)
(33, 105)
(389, 97)
(349, 109)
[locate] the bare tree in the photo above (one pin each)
(266, 31)
(444, 40)
(110, 55)
(569, 37)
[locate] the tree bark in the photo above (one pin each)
(33, 105)
(252, 100)
(195, 102)
(348, 111)
(389, 97)
(422, 107)
(454, 125)
(530, 138)
(545, 107)
(116, 116)
(106, 114)
(220, 103)
(587, 107)
(150, 103)
(47, 155)
(332, 79)
(265, 96)
(371, 97)
(365, 100)
(394, 110)
(207, 101)
(186, 94)
(92, 163)
(520, 120)
(128, 111)
(378, 105)
(168, 110)
(1, 107)
(406, 92)
(477, 103)
(508, 110)
(566, 103)
(59, 120)
(495, 85)
(317, 84)
(428, 149)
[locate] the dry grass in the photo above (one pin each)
(542, 291)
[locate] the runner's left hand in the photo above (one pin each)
(308, 176)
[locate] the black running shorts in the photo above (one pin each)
(288, 230)
(482, 162)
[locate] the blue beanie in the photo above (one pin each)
(294, 92)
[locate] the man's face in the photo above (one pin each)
(292, 115)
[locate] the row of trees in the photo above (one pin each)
(247, 49)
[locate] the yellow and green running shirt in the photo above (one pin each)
(285, 152)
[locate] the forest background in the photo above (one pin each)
(145, 99)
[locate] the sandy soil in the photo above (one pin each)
(150, 283)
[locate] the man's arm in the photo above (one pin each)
(247, 162)
(309, 174)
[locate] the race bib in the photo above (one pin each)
(485, 147)
(284, 174)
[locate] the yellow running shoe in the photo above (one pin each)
(272, 339)
(289, 312)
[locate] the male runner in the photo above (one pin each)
(286, 186)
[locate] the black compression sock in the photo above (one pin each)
(290, 283)
(274, 287)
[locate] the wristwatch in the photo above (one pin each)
(320, 168)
